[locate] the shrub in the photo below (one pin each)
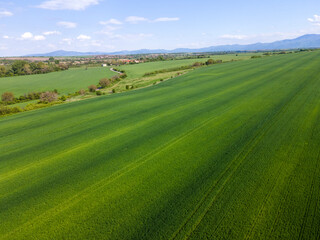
(197, 64)
(209, 62)
(48, 97)
(123, 75)
(127, 87)
(16, 109)
(4, 110)
(63, 98)
(33, 95)
(115, 78)
(82, 92)
(92, 88)
(113, 90)
(105, 82)
(7, 97)
(98, 93)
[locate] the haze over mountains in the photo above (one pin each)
(305, 41)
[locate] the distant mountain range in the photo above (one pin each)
(305, 41)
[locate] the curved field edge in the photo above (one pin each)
(228, 151)
(65, 82)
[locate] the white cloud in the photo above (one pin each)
(39, 37)
(166, 19)
(315, 20)
(111, 21)
(238, 37)
(108, 29)
(51, 33)
(82, 37)
(27, 35)
(67, 41)
(135, 19)
(67, 24)
(68, 4)
(5, 14)
(5, 37)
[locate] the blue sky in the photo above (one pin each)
(38, 26)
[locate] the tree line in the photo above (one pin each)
(21, 67)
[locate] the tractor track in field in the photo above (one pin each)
(281, 203)
(166, 114)
(264, 202)
(173, 111)
(255, 140)
(214, 190)
(312, 189)
(122, 171)
(103, 182)
(310, 195)
(270, 191)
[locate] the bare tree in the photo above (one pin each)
(82, 92)
(92, 88)
(7, 97)
(104, 82)
(47, 97)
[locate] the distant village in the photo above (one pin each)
(102, 60)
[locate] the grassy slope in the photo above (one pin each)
(138, 70)
(229, 151)
(135, 72)
(66, 82)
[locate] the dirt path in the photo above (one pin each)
(111, 69)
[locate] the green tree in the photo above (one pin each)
(26, 69)
(18, 67)
(209, 62)
(3, 71)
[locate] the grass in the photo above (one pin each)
(65, 82)
(135, 71)
(23, 104)
(78, 78)
(230, 151)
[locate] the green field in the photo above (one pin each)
(66, 82)
(229, 151)
(138, 70)
(75, 79)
